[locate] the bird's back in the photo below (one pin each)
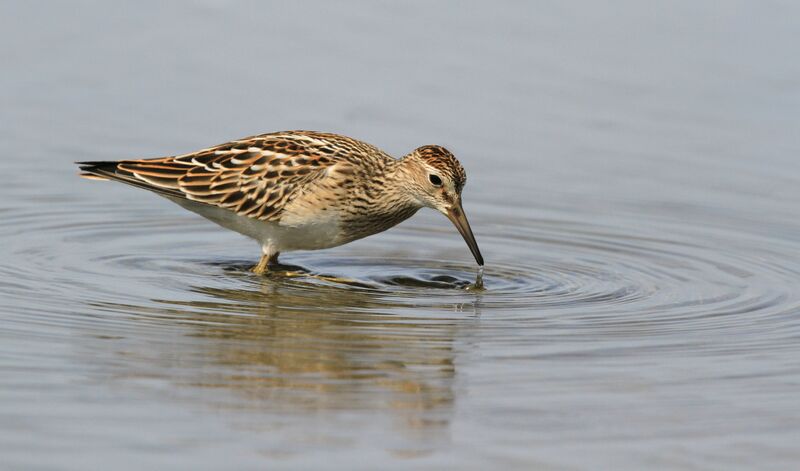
(257, 177)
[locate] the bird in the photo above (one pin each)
(301, 190)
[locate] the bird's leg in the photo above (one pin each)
(267, 259)
(262, 266)
(271, 259)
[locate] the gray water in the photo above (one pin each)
(633, 185)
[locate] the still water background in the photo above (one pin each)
(633, 184)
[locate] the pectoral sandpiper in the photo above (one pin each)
(301, 190)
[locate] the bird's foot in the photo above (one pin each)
(263, 265)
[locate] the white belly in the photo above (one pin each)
(290, 235)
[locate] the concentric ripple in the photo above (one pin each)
(386, 319)
(589, 276)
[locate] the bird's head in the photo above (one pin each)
(435, 179)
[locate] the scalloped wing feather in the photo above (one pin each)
(255, 177)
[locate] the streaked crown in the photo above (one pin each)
(444, 161)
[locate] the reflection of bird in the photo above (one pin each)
(301, 190)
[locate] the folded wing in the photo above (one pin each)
(255, 177)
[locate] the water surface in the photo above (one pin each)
(633, 185)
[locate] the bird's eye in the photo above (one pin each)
(435, 180)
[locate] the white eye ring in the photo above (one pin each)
(435, 180)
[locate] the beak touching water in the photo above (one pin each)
(457, 216)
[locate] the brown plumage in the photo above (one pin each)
(300, 190)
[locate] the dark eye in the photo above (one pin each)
(435, 180)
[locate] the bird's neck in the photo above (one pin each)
(397, 194)
(401, 183)
(384, 202)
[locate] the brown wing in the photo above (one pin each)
(255, 176)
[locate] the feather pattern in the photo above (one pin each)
(301, 190)
(257, 177)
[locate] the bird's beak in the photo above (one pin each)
(456, 214)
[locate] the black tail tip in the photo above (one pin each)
(101, 165)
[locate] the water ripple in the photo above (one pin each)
(589, 277)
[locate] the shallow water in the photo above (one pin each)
(633, 185)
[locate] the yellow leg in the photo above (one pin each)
(262, 266)
(267, 260)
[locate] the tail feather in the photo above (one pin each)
(109, 170)
(92, 176)
(98, 166)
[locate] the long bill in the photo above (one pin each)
(457, 216)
